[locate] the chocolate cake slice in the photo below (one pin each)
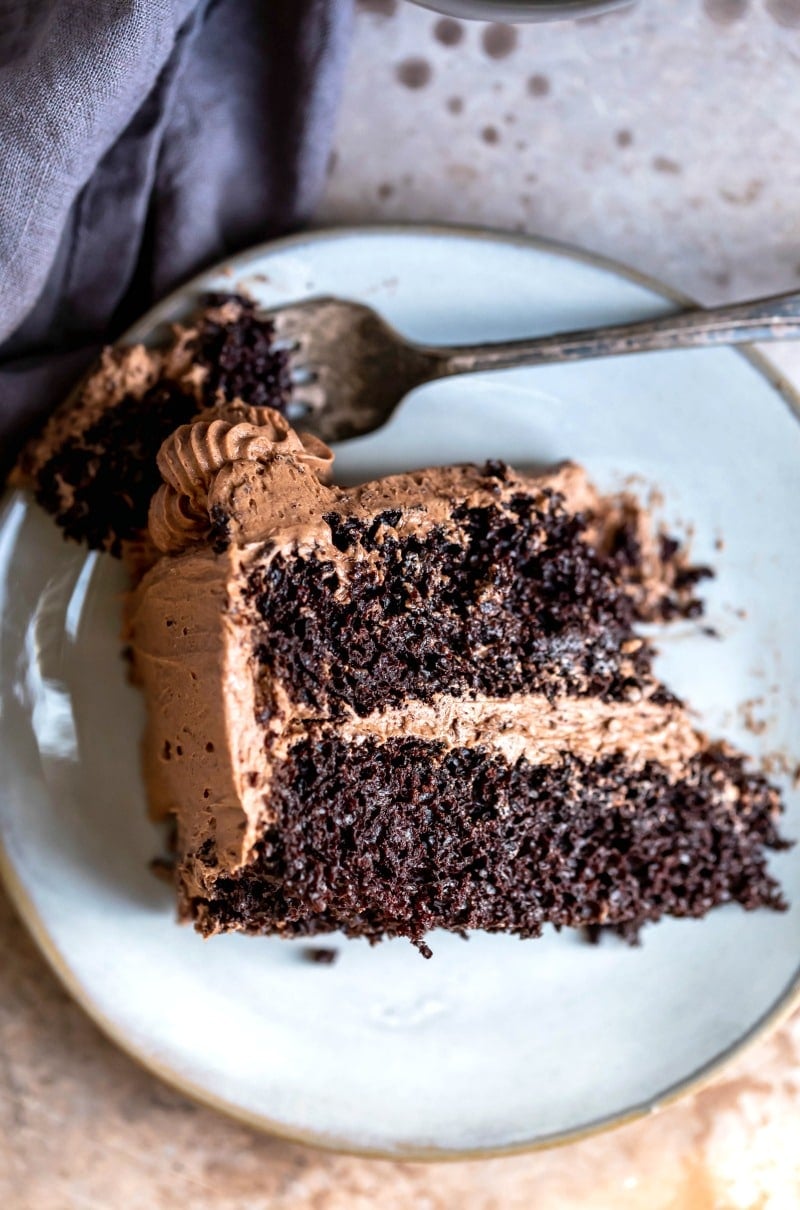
(423, 702)
(94, 465)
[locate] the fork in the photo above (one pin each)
(351, 369)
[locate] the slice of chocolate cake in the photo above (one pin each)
(94, 465)
(423, 702)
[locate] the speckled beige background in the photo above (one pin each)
(667, 135)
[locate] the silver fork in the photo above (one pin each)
(352, 369)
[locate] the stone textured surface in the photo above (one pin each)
(665, 135)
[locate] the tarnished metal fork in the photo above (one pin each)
(352, 369)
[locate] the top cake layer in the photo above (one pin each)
(559, 571)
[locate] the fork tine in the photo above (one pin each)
(348, 367)
(298, 365)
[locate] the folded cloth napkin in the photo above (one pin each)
(139, 141)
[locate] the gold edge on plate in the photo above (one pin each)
(784, 1005)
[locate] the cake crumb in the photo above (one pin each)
(163, 869)
(320, 955)
(750, 718)
(779, 763)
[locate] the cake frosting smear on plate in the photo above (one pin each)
(423, 702)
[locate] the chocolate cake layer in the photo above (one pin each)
(500, 600)
(403, 836)
(236, 348)
(99, 483)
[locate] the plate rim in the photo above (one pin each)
(784, 1005)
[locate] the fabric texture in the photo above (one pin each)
(141, 140)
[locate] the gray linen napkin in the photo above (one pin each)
(139, 141)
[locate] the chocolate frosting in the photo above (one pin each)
(248, 469)
(247, 464)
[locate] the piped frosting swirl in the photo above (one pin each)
(236, 462)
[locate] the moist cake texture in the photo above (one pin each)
(94, 465)
(424, 702)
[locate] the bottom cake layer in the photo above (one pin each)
(402, 837)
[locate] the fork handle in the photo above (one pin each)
(776, 318)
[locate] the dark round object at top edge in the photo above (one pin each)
(521, 10)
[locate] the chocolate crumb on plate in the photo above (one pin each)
(322, 956)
